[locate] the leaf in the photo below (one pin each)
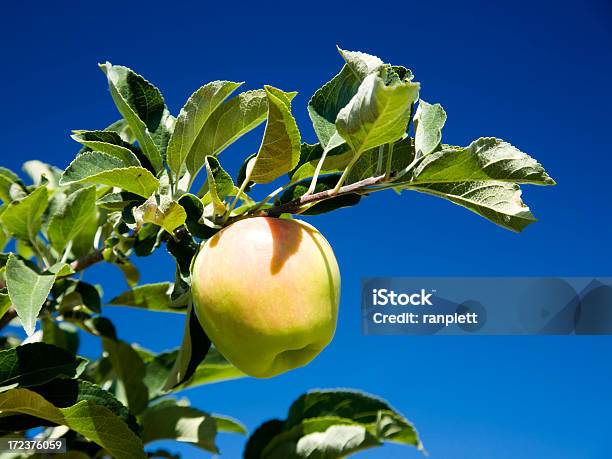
(242, 172)
(428, 121)
(331, 424)
(71, 217)
(22, 218)
(111, 143)
(42, 173)
(5, 304)
(94, 422)
(231, 120)
(227, 424)
(325, 104)
(484, 159)
(195, 210)
(191, 119)
(8, 178)
(64, 393)
(83, 242)
(28, 291)
(154, 297)
(61, 334)
(141, 104)
(37, 363)
(261, 437)
(279, 152)
(499, 202)
(165, 213)
(214, 368)
(103, 169)
(167, 421)
(119, 201)
(193, 350)
(147, 240)
(380, 111)
(218, 183)
(130, 370)
(129, 271)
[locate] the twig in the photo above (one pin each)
(85, 262)
(295, 205)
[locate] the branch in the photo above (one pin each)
(85, 262)
(296, 204)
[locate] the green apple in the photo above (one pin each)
(266, 291)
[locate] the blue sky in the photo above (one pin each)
(533, 73)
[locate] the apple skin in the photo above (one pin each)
(266, 291)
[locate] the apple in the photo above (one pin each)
(266, 291)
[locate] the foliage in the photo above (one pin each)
(129, 192)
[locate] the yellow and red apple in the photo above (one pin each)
(266, 291)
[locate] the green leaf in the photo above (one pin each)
(170, 421)
(428, 122)
(231, 120)
(103, 169)
(64, 393)
(227, 424)
(325, 104)
(83, 242)
(195, 210)
(380, 111)
(119, 201)
(67, 392)
(8, 178)
(37, 363)
(242, 172)
(28, 291)
(213, 369)
(192, 118)
(165, 213)
(499, 202)
(130, 370)
(484, 159)
(279, 152)
(42, 173)
(71, 217)
(218, 183)
(5, 304)
(129, 270)
(109, 142)
(22, 218)
(96, 423)
(154, 297)
(142, 106)
(331, 424)
(61, 334)
(193, 350)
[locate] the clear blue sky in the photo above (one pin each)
(534, 73)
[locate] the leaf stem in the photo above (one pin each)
(389, 159)
(243, 186)
(44, 257)
(313, 182)
(381, 150)
(345, 174)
